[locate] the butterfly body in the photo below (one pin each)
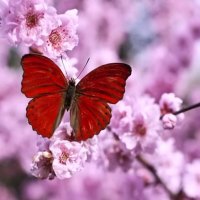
(70, 93)
(52, 93)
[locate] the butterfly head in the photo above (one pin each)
(72, 82)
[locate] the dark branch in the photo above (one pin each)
(184, 109)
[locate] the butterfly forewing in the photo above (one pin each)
(106, 82)
(90, 112)
(41, 76)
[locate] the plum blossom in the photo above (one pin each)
(43, 143)
(92, 147)
(69, 158)
(145, 126)
(116, 155)
(169, 103)
(169, 121)
(121, 122)
(60, 156)
(42, 165)
(26, 21)
(62, 37)
(191, 180)
(63, 132)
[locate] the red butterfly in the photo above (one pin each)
(87, 101)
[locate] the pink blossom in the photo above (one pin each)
(63, 37)
(145, 127)
(116, 155)
(122, 117)
(63, 132)
(191, 180)
(155, 192)
(26, 21)
(169, 103)
(169, 121)
(42, 165)
(92, 147)
(43, 143)
(69, 158)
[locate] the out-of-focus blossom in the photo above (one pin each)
(43, 143)
(169, 103)
(6, 194)
(63, 132)
(69, 157)
(91, 183)
(122, 117)
(169, 121)
(100, 41)
(42, 165)
(169, 163)
(92, 147)
(144, 131)
(191, 180)
(161, 70)
(155, 192)
(12, 107)
(114, 153)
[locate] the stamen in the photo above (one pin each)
(55, 38)
(63, 158)
(140, 129)
(32, 19)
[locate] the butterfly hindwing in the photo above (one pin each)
(45, 113)
(41, 76)
(88, 116)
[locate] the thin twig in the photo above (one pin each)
(184, 109)
(157, 178)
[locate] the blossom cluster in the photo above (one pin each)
(59, 157)
(150, 149)
(137, 129)
(37, 25)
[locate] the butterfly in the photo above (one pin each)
(52, 93)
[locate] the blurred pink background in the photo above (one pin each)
(161, 41)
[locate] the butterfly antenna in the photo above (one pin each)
(64, 67)
(83, 68)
